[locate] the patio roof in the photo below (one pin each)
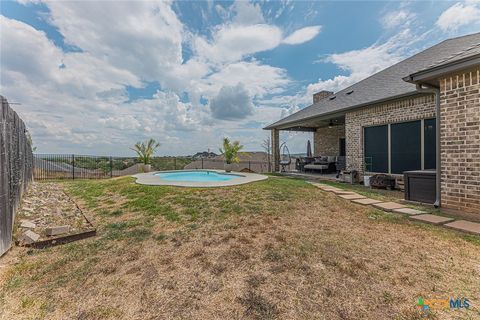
(385, 85)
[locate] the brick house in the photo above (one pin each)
(389, 123)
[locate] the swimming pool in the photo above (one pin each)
(196, 176)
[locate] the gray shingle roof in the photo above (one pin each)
(459, 55)
(387, 84)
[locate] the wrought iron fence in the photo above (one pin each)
(73, 166)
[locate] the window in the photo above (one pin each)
(376, 149)
(399, 147)
(406, 146)
(430, 144)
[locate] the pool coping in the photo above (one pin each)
(152, 180)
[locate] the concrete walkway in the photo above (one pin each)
(414, 214)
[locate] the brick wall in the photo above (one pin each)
(460, 140)
(408, 109)
(326, 141)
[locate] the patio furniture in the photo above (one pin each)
(340, 165)
(324, 164)
(301, 162)
(285, 159)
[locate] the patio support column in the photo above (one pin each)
(276, 149)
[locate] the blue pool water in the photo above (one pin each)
(196, 176)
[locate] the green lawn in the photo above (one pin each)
(275, 249)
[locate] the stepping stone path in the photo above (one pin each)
(409, 211)
(465, 226)
(344, 192)
(330, 189)
(366, 201)
(418, 215)
(431, 218)
(388, 206)
(353, 196)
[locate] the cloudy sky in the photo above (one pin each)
(95, 77)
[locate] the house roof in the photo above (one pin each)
(385, 85)
(461, 59)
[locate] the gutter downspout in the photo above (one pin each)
(436, 91)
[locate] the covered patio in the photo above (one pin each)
(329, 144)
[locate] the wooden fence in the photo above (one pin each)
(16, 169)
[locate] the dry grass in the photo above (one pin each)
(276, 249)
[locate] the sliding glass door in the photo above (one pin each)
(376, 149)
(406, 146)
(399, 147)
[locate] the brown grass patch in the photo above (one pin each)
(319, 257)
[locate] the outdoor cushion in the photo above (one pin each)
(331, 159)
(316, 166)
(321, 160)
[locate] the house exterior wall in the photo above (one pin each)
(402, 110)
(326, 141)
(460, 140)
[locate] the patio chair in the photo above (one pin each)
(285, 159)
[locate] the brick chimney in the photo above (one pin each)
(321, 95)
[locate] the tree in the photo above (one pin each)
(145, 150)
(266, 145)
(230, 151)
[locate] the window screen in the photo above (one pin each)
(376, 149)
(406, 146)
(430, 146)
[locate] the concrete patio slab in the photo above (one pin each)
(409, 211)
(431, 218)
(366, 201)
(388, 206)
(465, 226)
(354, 196)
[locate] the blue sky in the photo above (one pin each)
(95, 77)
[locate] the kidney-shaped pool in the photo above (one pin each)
(197, 178)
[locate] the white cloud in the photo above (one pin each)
(459, 15)
(302, 35)
(358, 64)
(259, 79)
(144, 37)
(397, 18)
(233, 42)
(364, 62)
(247, 13)
(232, 103)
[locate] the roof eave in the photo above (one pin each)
(437, 71)
(287, 125)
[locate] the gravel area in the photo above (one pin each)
(44, 206)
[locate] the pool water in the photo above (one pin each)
(196, 176)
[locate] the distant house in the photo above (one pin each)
(204, 154)
(390, 123)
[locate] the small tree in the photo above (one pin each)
(266, 145)
(145, 150)
(230, 151)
